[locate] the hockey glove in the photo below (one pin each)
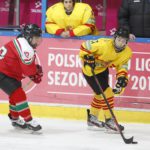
(37, 78)
(118, 91)
(122, 81)
(90, 61)
(39, 70)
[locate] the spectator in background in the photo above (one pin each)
(135, 14)
(69, 19)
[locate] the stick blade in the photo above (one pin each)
(130, 141)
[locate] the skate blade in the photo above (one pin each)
(39, 132)
(110, 131)
(19, 128)
(95, 128)
(28, 131)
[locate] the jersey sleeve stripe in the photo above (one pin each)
(92, 27)
(19, 50)
(88, 45)
(85, 50)
(17, 47)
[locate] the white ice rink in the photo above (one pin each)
(71, 135)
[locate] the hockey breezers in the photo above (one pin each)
(127, 141)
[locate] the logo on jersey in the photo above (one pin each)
(26, 54)
(27, 84)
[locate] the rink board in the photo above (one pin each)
(64, 84)
(79, 113)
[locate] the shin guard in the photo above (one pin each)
(19, 104)
(110, 98)
(96, 105)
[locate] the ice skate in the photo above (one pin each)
(111, 126)
(18, 123)
(33, 126)
(93, 123)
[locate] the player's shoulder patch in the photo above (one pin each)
(25, 51)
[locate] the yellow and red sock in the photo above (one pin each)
(110, 98)
(96, 105)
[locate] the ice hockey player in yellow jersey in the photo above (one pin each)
(100, 55)
(68, 19)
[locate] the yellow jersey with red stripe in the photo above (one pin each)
(79, 23)
(105, 56)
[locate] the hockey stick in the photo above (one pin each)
(26, 86)
(127, 141)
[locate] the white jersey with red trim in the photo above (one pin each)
(17, 59)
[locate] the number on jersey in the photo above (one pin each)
(3, 52)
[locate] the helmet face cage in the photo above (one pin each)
(119, 48)
(31, 30)
(123, 33)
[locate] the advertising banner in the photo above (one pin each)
(30, 12)
(63, 82)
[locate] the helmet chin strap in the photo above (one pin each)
(119, 49)
(34, 46)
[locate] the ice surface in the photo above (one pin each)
(71, 135)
